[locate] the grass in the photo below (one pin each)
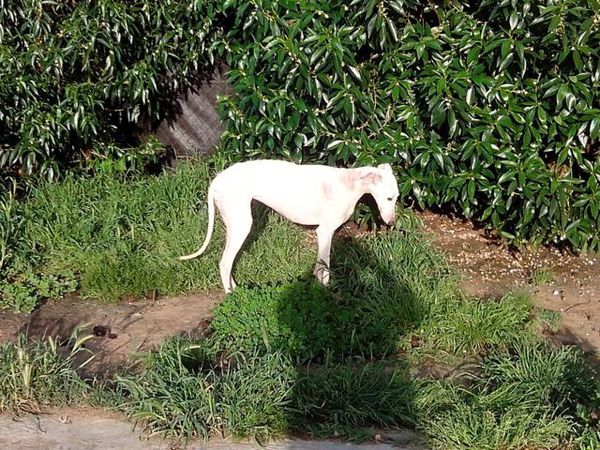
(184, 394)
(527, 396)
(118, 238)
(542, 277)
(284, 354)
(34, 374)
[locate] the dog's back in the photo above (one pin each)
(298, 192)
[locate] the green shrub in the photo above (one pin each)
(487, 109)
(78, 77)
(490, 109)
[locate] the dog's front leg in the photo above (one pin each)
(324, 237)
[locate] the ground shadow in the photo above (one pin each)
(118, 332)
(344, 340)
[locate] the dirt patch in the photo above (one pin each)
(120, 330)
(490, 269)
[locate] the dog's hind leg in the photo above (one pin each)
(238, 222)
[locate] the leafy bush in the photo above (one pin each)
(488, 108)
(78, 77)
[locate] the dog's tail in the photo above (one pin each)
(209, 231)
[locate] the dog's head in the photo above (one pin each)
(381, 183)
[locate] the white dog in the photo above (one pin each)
(305, 194)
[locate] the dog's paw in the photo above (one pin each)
(322, 274)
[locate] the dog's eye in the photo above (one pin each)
(390, 199)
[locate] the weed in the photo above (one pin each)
(466, 325)
(297, 318)
(525, 396)
(34, 374)
(23, 291)
(548, 319)
(184, 394)
(172, 398)
(559, 378)
(255, 394)
(541, 277)
(354, 395)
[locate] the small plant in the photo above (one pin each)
(588, 414)
(35, 374)
(548, 319)
(24, 291)
(297, 318)
(541, 277)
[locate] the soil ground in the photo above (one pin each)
(490, 269)
(120, 330)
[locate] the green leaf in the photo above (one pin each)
(513, 20)
(355, 72)
(452, 122)
(595, 127)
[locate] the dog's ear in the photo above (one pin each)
(387, 167)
